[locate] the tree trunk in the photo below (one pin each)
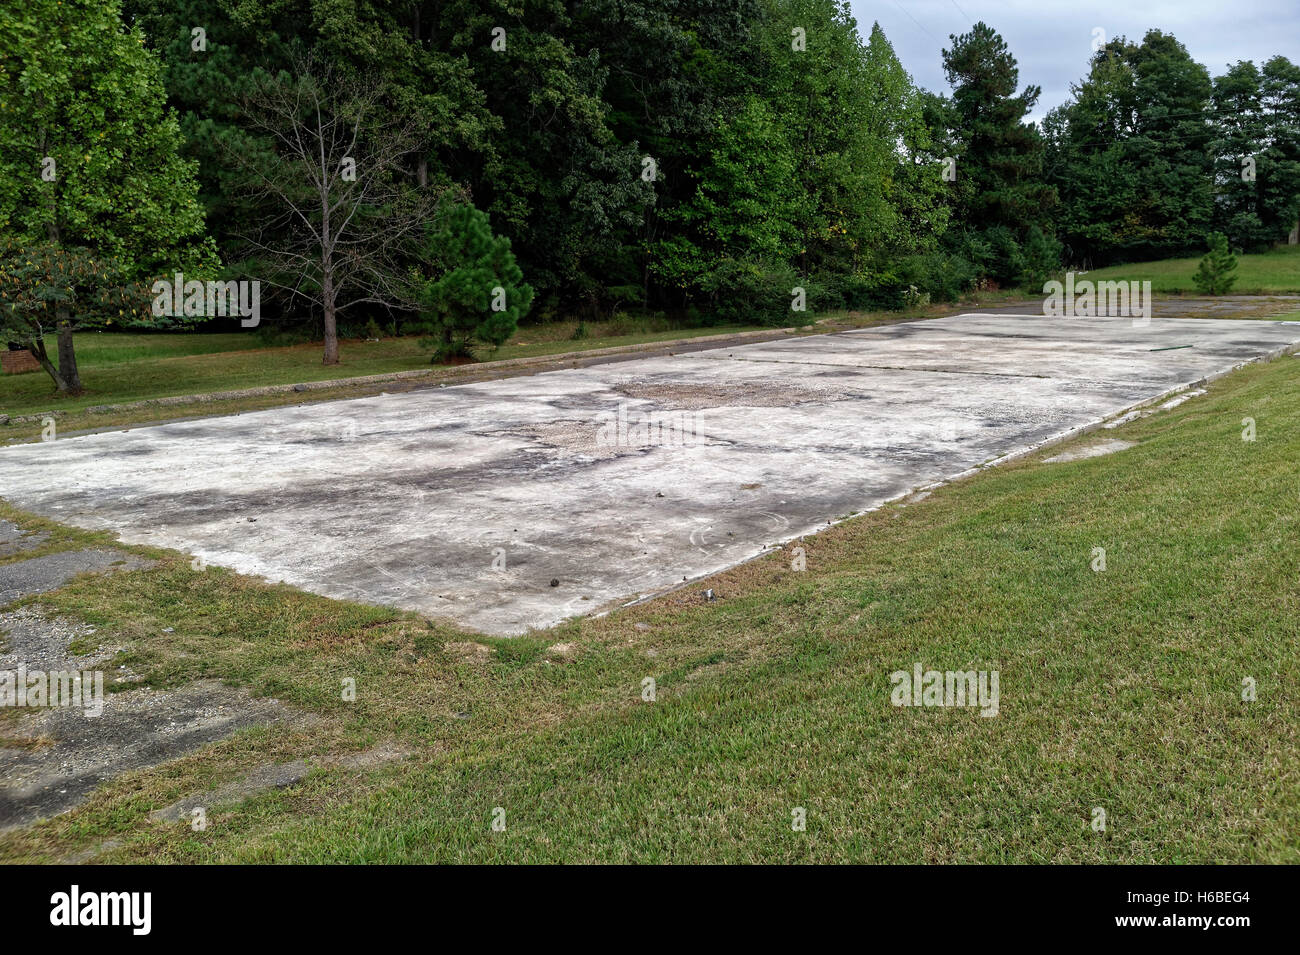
(331, 322)
(69, 380)
(37, 350)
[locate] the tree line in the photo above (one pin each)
(453, 166)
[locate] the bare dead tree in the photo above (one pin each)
(341, 205)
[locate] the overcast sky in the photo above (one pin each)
(1052, 39)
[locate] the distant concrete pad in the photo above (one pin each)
(406, 499)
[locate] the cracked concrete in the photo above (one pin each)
(51, 758)
(465, 502)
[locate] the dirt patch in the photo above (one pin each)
(469, 650)
(576, 438)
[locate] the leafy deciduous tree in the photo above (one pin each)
(88, 155)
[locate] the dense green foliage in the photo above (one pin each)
(1002, 208)
(713, 160)
(1152, 155)
(87, 147)
(92, 187)
(770, 147)
(474, 291)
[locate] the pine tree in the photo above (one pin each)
(1214, 274)
(473, 289)
(1001, 193)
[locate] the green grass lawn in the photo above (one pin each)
(1120, 689)
(118, 367)
(1275, 271)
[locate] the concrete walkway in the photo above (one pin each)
(468, 502)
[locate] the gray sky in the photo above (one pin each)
(1052, 39)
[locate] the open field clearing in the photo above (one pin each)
(1264, 273)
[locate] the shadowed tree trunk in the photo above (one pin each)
(68, 379)
(37, 350)
(331, 322)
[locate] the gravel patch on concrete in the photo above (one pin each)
(50, 572)
(32, 639)
(15, 540)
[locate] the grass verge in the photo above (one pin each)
(122, 368)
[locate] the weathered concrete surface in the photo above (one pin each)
(404, 499)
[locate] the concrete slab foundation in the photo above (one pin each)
(613, 481)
